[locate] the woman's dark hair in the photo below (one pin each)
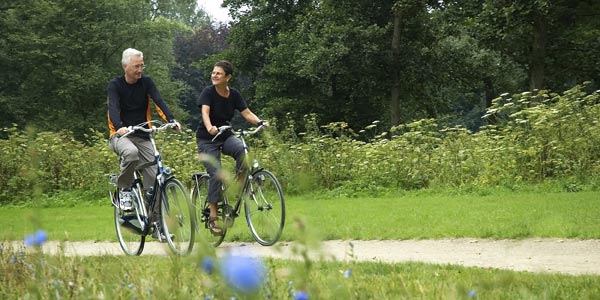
(227, 66)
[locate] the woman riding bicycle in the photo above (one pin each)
(217, 104)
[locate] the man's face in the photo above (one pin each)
(135, 68)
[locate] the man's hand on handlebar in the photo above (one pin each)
(122, 131)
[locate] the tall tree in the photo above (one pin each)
(346, 59)
(257, 24)
(533, 33)
(324, 57)
(185, 11)
(191, 48)
(408, 24)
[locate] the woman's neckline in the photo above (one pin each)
(223, 94)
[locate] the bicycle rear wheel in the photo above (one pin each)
(178, 219)
(200, 201)
(129, 230)
(264, 207)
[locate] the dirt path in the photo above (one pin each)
(566, 256)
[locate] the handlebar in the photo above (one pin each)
(224, 128)
(140, 127)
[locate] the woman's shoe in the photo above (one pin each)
(214, 228)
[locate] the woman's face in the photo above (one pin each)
(218, 76)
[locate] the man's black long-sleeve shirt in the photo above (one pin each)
(129, 104)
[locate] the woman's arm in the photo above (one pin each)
(212, 130)
(252, 118)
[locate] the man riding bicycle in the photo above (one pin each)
(129, 98)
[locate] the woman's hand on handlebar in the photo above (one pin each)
(175, 125)
(213, 130)
(264, 123)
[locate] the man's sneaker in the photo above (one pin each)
(125, 200)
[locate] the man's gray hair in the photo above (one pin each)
(128, 53)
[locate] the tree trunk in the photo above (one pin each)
(536, 61)
(395, 101)
(490, 94)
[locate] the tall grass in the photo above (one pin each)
(531, 138)
(29, 274)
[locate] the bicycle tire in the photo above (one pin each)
(178, 217)
(264, 207)
(200, 201)
(129, 232)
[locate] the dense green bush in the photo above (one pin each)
(48, 162)
(534, 137)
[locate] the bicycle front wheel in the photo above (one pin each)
(178, 219)
(264, 207)
(200, 201)
(128, 228)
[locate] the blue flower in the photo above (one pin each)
(347, 273)
(208, 265)
(472, 294)
(245, 274)
(301, 295)
(36, 239)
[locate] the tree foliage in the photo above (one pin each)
(57, 57)
(200, 44)
(405, 60)
(351, 61)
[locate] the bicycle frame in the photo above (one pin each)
(251, 171)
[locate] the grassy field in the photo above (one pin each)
(416, 215)
(420, 215)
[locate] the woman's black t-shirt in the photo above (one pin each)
(221, 109)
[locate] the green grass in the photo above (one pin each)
(497, 214)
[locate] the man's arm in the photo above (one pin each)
(161, 107)
(114, 109)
